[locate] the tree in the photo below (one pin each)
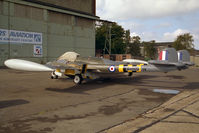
(127, 40)
(150, 50)
(184, 41)
(117, 41)
(100, 36)
(117, 38)
(134, 47)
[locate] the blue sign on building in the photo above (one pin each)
(14, 36)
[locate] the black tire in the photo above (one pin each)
(54, 76)
(130, 74)
(77, 79)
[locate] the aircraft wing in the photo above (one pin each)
(63, 64)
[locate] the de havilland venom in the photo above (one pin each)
(74, 66)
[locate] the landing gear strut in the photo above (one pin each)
(78, 79)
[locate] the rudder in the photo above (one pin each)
(184, 57)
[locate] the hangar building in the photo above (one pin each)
(42, 30)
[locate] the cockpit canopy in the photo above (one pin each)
(69, 56)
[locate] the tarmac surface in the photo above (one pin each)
(179, 115)
(32, 102)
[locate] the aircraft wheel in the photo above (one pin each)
(78, 79)
(130, 74)
(54, 76)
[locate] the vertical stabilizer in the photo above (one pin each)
(183, 56)
(168, 54)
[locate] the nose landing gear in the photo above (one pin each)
(54, 76)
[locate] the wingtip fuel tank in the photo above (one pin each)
(19, 64)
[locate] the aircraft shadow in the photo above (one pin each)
(175, 77)
(192, 85)
(100, 83)
(141, 81)
(9, 103)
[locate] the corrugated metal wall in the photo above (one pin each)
(61, 32)
(80, 5)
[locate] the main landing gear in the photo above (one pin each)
(78, 79)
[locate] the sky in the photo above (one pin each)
(160, 20)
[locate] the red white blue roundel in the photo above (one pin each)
(111, 68)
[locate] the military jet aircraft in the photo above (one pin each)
(74, 66)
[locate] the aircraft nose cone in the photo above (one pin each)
(26, 65)
(8, 63)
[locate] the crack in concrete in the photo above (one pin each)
(180, 122)
(190, 113)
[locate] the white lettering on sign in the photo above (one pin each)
(14, 36)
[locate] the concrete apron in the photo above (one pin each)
(178, 115)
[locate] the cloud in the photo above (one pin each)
(146, 36)
(134, 34)
(100, 4)
(131, 25)
(170, 36)
(149, 36)
(196, 40)
(160, 20)
(163, 25)
(165, 37)
(125, 9)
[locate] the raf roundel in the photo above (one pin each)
(111, 68)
